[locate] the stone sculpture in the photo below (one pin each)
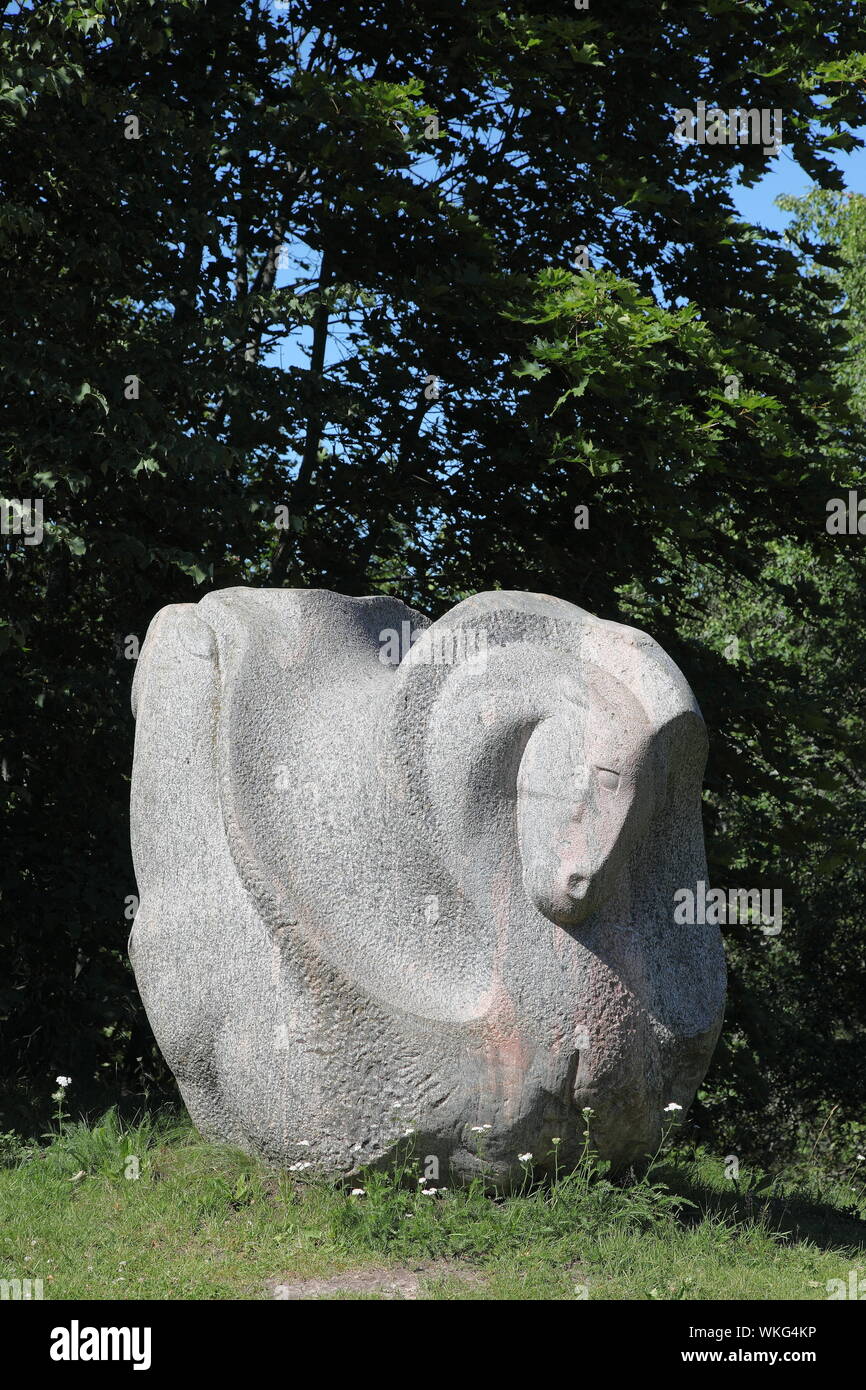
(406, 884)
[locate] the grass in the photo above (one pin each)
(147, 1210)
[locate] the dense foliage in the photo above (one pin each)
(373, 297)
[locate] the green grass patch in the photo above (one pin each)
(147, 1210)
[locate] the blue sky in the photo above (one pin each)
(755, 204)
(785, 176)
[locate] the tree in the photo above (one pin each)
(401, 199)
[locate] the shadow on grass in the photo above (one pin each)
(31, 1115)
(793, 1216)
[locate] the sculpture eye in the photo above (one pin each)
(608, 779)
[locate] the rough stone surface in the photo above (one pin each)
(432, 893)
